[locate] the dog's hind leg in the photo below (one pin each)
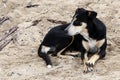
(102, 52)
(61, 53)
(42, 52)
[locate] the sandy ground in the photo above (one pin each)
(19, 60)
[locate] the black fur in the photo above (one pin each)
(56, 39)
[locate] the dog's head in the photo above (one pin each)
(80, 21)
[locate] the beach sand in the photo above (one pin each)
(19, 59)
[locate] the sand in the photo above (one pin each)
(19, 59)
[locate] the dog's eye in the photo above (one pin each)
(77, 23)
(80, 24)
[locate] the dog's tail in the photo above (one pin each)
(45, 57)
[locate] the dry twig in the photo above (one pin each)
(7, 33)
(5, 43)
(7, 37)
(57, 22)
(34, 23)
(2, 20)
(34, 5)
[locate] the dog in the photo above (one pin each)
(89, 37)
(56, 41)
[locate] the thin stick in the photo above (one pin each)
(7, 33)
(5, 43)
(58, 22)
(32, 5)
(2, 20)
(7, 37)
(34, 23)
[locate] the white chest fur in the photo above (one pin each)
(92, 43)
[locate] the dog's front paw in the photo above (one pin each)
(88, 69)
(90, 63)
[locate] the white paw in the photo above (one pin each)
(90, 63)
(88, 69)
(49, 66)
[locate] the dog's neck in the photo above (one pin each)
(86, 36)
(87, 33)
(91, 30)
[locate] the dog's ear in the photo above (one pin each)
(92, 14)
(79, 10)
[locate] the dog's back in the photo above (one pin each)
(55, 41)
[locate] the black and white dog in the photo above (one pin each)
(90, 37)
(85, 34)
